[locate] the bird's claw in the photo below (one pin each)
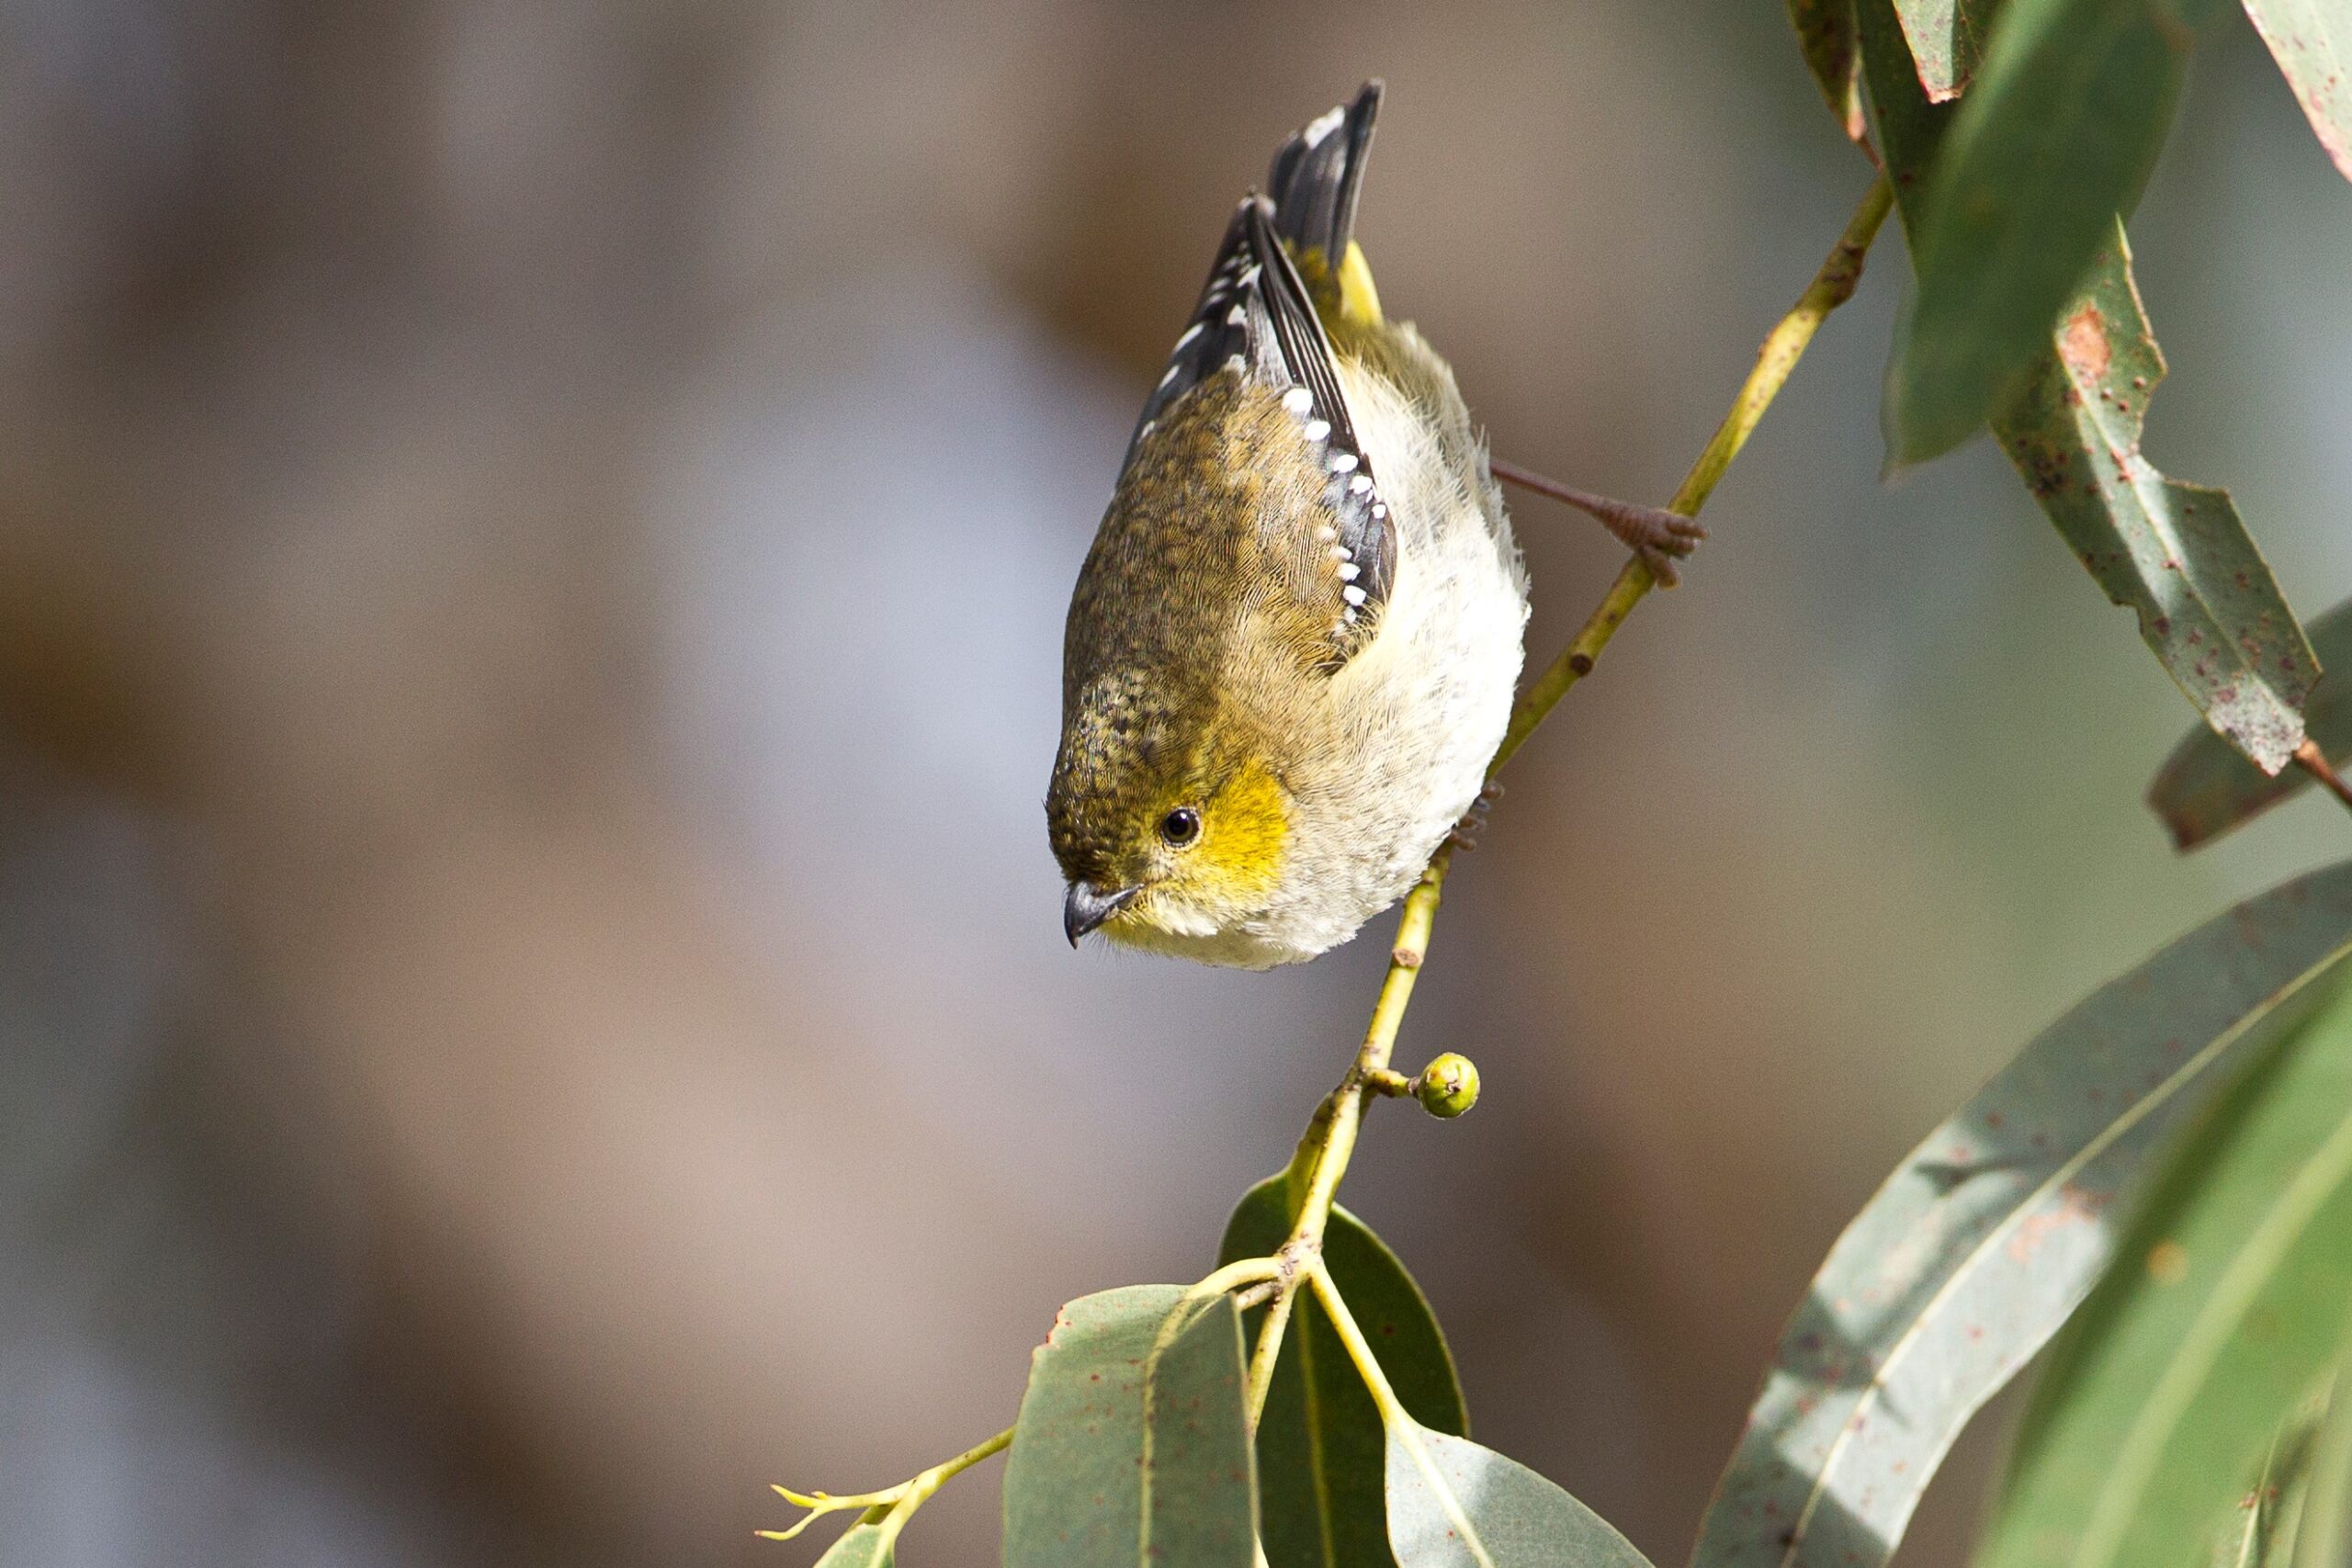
(1464, 835)
(1660, 537)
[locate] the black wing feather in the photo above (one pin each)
(1367, 536)
(1255, 310)
(1317, 172)
(1306, 348)
(1228, 321)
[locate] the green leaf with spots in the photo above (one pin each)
(1321, 1447)
(1131, 1448)
(2056, 137)
(2228, 1300)
(2314, 1506)
(2260, 1531)
(2176, 554)
(1455, 1505)
(2311, 42)
(1986, 1238)
(1907, 122)
(1946, 38)
(2207, 787)
(1825, 32)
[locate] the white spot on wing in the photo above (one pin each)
(1316, 429)
(1322, 125)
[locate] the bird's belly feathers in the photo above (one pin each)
(1411, 722)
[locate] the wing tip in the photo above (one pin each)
(1318, 170)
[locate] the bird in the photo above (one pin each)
(1291, 650)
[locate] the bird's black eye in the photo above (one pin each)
(1180, 827)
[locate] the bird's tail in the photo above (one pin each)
(1314, 182)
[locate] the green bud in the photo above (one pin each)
(1448, 1086)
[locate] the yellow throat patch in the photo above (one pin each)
(1231, 870)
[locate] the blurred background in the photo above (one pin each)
(533, 542)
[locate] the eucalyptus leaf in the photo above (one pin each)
(2261, 1528)
(2056, 136)
(1824, 30)
(1200, 1494)
(1946, 38)
(1131, 1448)
(2316, 1527)
(2177, 555)
(1453, 1504)
(2311, 40)
(1985, 1238)
(2206, 787)
(1907, 120)
(1320, 1445)
(2227, 1299)
(860, 1546)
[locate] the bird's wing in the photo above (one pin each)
(1256, 316)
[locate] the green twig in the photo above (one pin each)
(1375, 1380)
(1330, 1142)
(1831, 287)
(1396, 1421)
(901, 1501)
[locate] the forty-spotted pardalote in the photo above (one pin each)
(1291, 650)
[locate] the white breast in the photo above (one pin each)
(1419, 712)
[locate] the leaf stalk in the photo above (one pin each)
(2313, 760)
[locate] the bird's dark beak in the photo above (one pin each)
(1083, 908)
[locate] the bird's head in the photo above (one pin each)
(1167, 814)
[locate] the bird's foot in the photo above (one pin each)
(1465, 835)
(1660, 537)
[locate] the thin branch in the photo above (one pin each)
(1368, 1367)
(1241, 1272)
(901, 1501)
(1330, 1142)
(1831, 287)
(1322, 1159)
(2313, 761)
